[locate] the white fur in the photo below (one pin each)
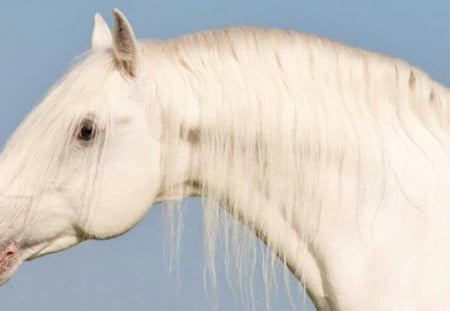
(337, 158)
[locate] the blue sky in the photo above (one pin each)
(40, 39)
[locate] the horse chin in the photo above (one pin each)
(10, 261)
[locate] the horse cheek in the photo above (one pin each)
(129, 187)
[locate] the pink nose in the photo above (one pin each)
(7, 256)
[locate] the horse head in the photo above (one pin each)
(85, 163)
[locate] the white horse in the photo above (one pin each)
(337, 158)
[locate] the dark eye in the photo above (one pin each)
(86, 131)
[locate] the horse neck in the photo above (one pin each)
(234, 191)
(203, 158)
(311, 171)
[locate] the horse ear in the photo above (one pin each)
(125, 44)
(101, 36)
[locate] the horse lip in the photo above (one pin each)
(10, 260)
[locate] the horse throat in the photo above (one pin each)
(236, 192)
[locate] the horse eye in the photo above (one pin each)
(86, 131)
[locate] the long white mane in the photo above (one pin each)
(297, 118)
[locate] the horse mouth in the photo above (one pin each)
(9, 261)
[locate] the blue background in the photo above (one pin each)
(40, 39)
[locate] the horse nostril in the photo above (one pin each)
(7, 254)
